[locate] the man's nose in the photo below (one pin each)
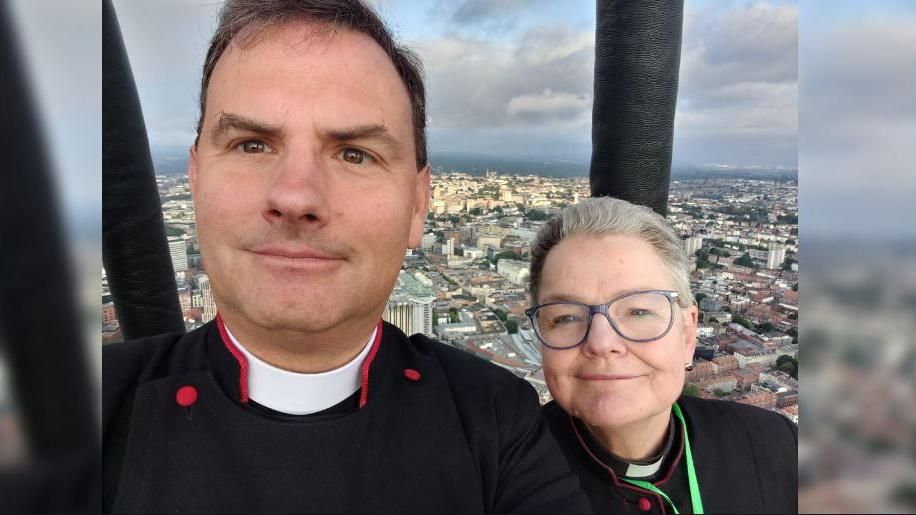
(602, 339)
(298, 192)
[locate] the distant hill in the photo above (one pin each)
(174, 160)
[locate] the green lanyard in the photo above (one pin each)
(695, 500)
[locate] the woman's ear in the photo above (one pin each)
(691, 314)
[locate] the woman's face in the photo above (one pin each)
(608, 381)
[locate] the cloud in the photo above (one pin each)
(548, 105)
(858, 125)
(739, 85)
(476, 83)
(483, 13)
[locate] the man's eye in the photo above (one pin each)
(355, 156)
(254, 146)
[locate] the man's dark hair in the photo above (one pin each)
(247, 18)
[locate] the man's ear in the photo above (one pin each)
(192, 168)
(420, 208)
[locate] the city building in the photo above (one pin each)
(693, 244)
(517, 272)
(776, 255)
(179, 252)
(207, 301)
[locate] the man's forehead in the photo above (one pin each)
(301, 37)
(307, 58)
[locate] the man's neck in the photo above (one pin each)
(636, 441)
(298, 351)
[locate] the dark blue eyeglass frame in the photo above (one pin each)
(604, 310)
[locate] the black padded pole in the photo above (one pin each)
(41, 339)
(134, 247)
(637, 59)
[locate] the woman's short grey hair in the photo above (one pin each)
(602, 216)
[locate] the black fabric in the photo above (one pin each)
(40, 332)
(746, 460)
(669, 453)
(637, 58)
(134, 248)
(466, 437)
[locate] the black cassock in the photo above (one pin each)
(432, 429)
(746, 461)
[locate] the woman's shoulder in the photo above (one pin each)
(726, 415)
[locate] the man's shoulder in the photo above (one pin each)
(152, 352)
(125, 365)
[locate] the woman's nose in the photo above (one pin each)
(602, 338)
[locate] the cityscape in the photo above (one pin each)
(466, 284)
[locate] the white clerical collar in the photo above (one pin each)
(301, 394)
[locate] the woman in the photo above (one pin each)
(616, 378)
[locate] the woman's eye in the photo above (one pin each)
(254, 147)
(355, 156)
(564, 319)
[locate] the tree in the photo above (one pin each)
(764, 328)
(430, 215)
(512, 326)
(691, 390)
(453, 316)
(740, 320)
(500, 314)
(173, 231)
(786, 367)
(476, 211)
(700, 296)
(536, 215)
(787, 364)
(746, 260)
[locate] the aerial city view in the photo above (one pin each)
(466, 284)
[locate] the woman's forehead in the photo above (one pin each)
(601, 268)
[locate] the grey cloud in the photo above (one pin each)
(857, 92)
(739, 85)
(858, 127)
(488, 12)
(475, 83)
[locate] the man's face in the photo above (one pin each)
(305, 181)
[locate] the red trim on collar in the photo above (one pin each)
(618, 483)
(364, 386)
(237, 354)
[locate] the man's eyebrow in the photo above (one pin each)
(372, 131)
(230, 121)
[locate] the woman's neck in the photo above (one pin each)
(636, 441)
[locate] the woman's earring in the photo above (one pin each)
(688, 366)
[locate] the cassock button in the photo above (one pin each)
(186, 396)
(645, 504)
(411, 374)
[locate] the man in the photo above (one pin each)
(310, 180)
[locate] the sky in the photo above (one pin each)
(514, 77)
(857, 172)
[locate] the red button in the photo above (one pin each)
(645, 504)
(186, 396)
(411, 374)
